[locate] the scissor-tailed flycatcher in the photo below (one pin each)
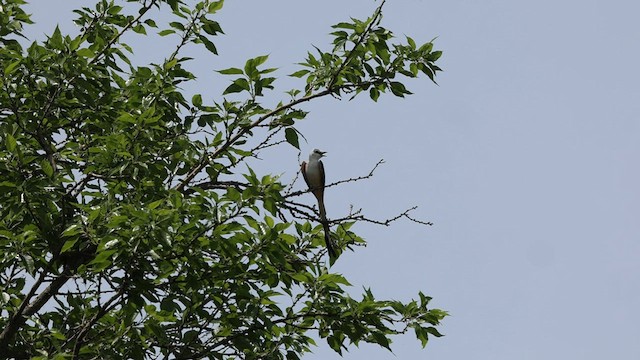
(313, 173)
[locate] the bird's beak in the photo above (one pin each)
(323, 153)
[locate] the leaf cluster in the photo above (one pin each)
(129, 228)
(363, 59)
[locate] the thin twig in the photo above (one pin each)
(298, 193)
(359, 217)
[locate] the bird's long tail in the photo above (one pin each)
(327, 231)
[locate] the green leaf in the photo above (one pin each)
(289, 239)
(28, 263)
(411, 43)
(103, 256)
(422, 335)
(292, 137)
(55, 41)
(260, 60)
(98, 266)
(177, 25)
(11, 67)
(413, 67)
(426, 48)
(300, 73)
(340, 34)
(114, 9)
(72, 230)
(11, 143)
(250, 69)
(335, 344)
(196, 100)
(344, 25)
(427, 71)
(398, 89)
(69, 244)
(334, 279)
(380, 339)
(215, 6)
(155, 204)
(211, 27)
(86, 52)
(46, 167)
(269, 70)
(433, 331)
(208, 44)
(237, 86)
(139, 29)
(170, 64)
(75, 43)
(434, 55)
(374, 93)
(231, 71)
(166, 32)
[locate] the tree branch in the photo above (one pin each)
(207, 157)
(79, 336)
(357, 216)
(330, 89)
(297, 193)
(374, 20)
(141, 13)
(19, 318)
(255, 327)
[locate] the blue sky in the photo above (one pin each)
(525, 158)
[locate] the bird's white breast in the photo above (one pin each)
(313, 174)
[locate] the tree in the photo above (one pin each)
(131, 224)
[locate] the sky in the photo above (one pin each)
(525, 158)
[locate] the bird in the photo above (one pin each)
(313, 173)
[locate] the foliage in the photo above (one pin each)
(130, 224)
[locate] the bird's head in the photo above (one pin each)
(316, 154)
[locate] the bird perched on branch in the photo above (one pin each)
(313, 173)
